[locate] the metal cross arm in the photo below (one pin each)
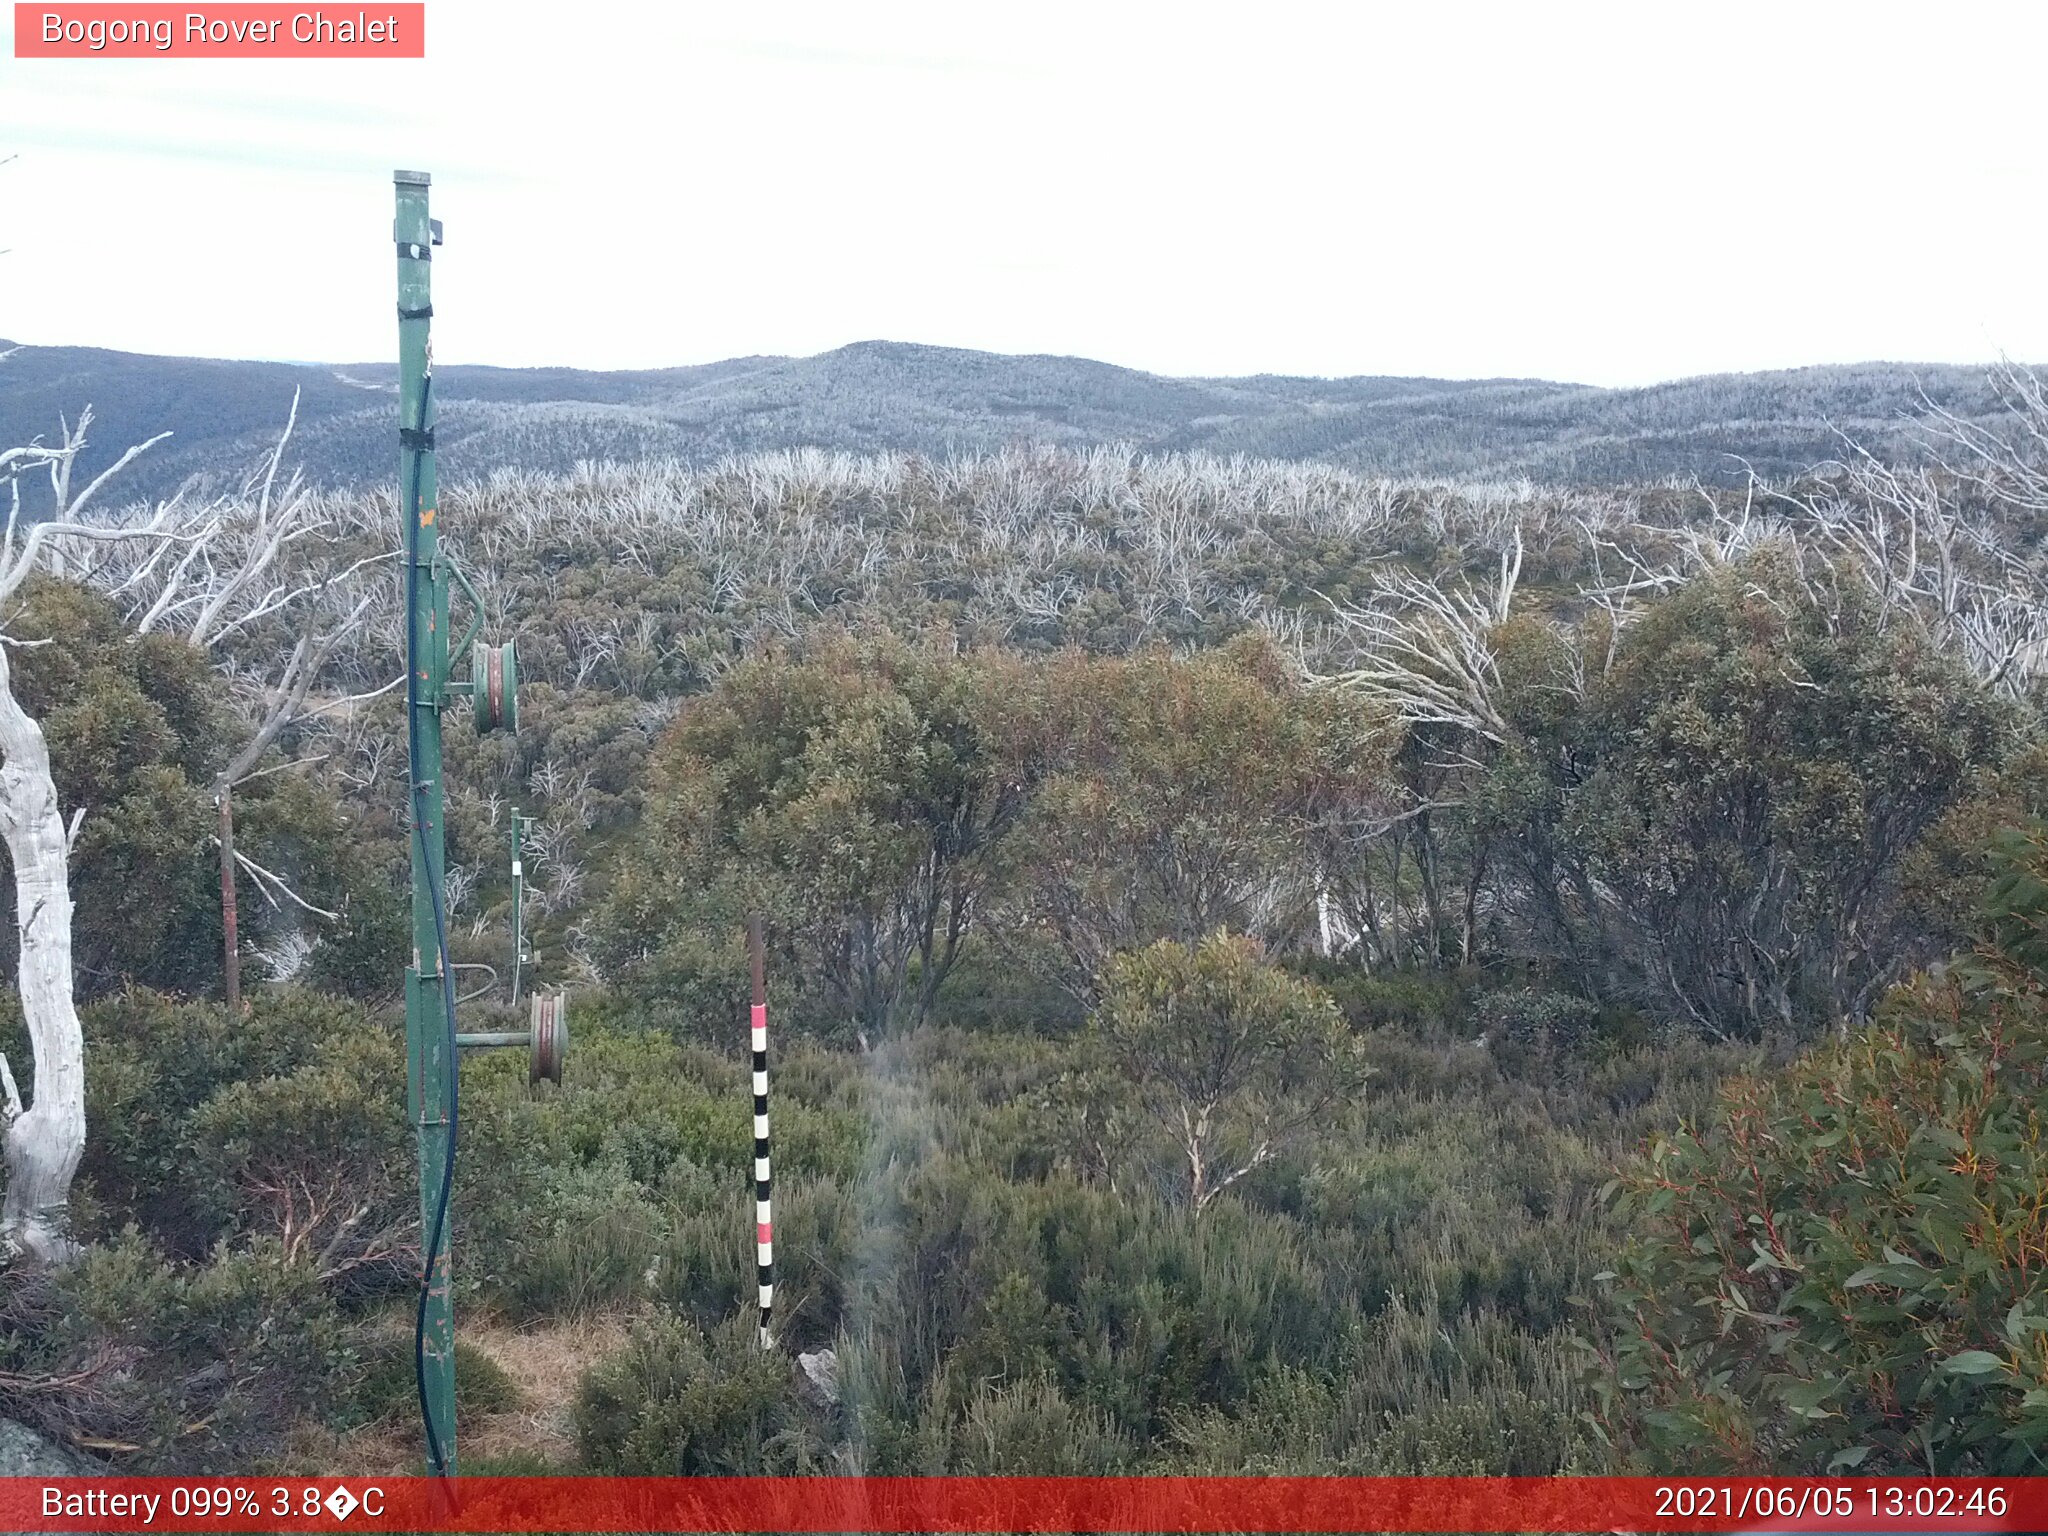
(545, 1038)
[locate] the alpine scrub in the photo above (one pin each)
(1848, 1268)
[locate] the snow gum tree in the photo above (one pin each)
(46, 1133)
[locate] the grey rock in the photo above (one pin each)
(818, 1377)
(24, 1453)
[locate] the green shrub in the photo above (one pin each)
(1286, 1425)
(1231, 1057)
(319, 1158)
(1418, 1001)
(589, 1240)
(556, 1190)
(287, 1122)
(1481, 1396)
(190, 1366)
(1841, 1270)
(706, 1272)
(1017, 986)
(676, 1401)
(387, 1388)
(1533, 1017)
(1029, 1427)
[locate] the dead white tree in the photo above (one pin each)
(1427, 647)
(216, 575)
(46, 1135)
(1947, 542)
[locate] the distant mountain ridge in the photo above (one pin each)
(891, 395)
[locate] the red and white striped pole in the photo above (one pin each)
(764, 1221)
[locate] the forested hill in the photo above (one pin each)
(885, 395)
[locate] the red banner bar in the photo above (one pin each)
(1021, 1504)
(380, 29)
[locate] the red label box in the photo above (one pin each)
(227, 31)
(961, 1506)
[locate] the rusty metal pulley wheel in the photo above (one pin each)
(548, 1037)
(494, 686)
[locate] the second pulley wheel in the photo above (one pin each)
(548, 1037)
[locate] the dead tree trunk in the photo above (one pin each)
(46, 1139)
(1468, 931)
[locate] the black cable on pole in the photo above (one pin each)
(435, 1454)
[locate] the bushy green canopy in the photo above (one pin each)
(1844, 1268)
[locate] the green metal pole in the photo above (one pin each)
(430, 1064)
(518, 903)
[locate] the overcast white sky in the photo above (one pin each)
(1613, 194)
